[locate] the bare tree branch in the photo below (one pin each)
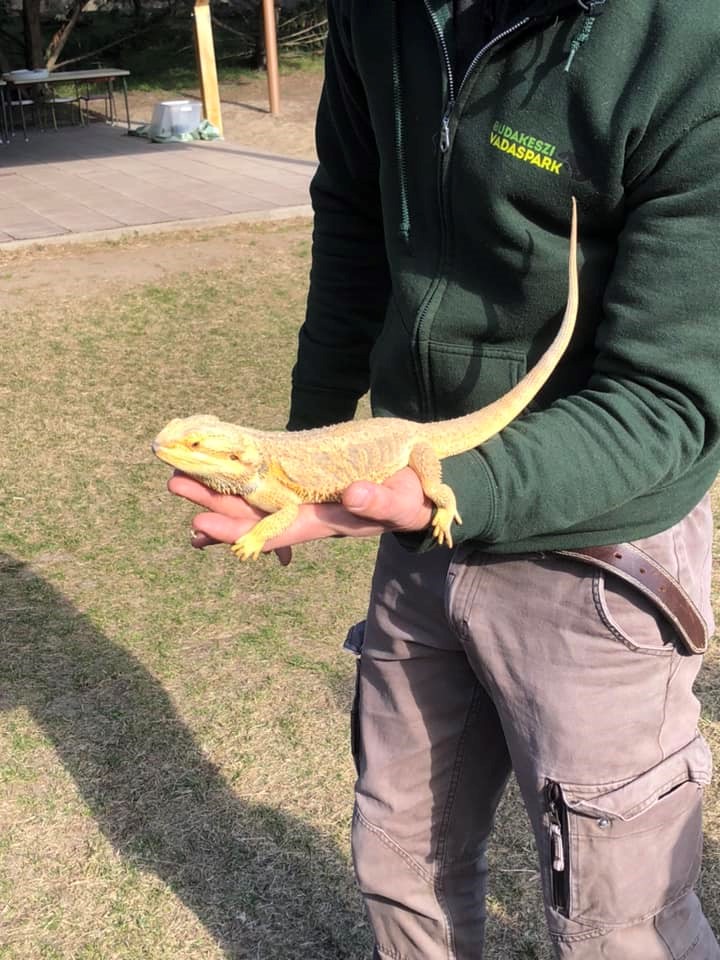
(289, 21)
(115, 43)
(236, 33)
(60, 38)
(289, 44)
(315, 33)
(306, 31)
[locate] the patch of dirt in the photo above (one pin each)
(246, 114)
(83, 271)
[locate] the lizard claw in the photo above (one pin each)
(441, 525)
(248, 547)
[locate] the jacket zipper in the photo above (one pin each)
(404, 228)
(559, 859)
(444, 144)
(452, 99)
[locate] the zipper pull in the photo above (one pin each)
(445, 127)
(558, 853)
(554, 797)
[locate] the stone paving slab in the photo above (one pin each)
(90, 179)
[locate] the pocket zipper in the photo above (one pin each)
(559, 860)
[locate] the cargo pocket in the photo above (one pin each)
(616, 857)
(354, 644)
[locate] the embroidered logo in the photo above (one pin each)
(525, 148)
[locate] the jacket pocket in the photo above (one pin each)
(629, 851)
(467, 377)
(394, 370)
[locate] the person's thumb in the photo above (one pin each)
(370, 500)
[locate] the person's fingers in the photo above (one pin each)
(228, 504)
(219, 528)
(284, 555)
(200, 540)
(367, 510)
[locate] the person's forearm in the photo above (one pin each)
(649, 418)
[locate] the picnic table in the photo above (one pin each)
(20, 83)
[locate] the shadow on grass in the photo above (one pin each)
(262, 883)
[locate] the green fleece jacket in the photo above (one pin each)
(442, 211)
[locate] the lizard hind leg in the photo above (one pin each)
(424, 461)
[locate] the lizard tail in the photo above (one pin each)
(463, 433)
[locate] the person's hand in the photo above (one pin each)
(367, 510)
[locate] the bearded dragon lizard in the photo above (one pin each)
(277, 471)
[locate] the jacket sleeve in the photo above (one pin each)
(651, 410)
(349, 279)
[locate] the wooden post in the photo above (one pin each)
(271, 56)
(205, 49)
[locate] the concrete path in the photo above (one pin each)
(98, 180)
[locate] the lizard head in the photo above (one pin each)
(220, 455)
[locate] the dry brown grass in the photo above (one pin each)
(173, 759)
(174, 762)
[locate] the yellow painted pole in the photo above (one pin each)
(205, 48)
(271, 56)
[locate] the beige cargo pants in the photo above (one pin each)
(475, 665)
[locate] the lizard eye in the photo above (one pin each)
(233, 456)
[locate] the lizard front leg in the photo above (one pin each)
(282, 506)
(250, 545)
(424, 461)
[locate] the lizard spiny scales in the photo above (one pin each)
(277, 471)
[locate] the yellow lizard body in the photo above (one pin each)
(277, 471)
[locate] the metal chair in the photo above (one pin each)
(19, 99)
(94, 94)
(53, 101)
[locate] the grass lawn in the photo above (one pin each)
(174, 765)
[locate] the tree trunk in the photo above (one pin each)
(34, 59)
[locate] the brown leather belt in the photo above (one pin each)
(633, 565)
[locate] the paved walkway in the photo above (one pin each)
(81, 180)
